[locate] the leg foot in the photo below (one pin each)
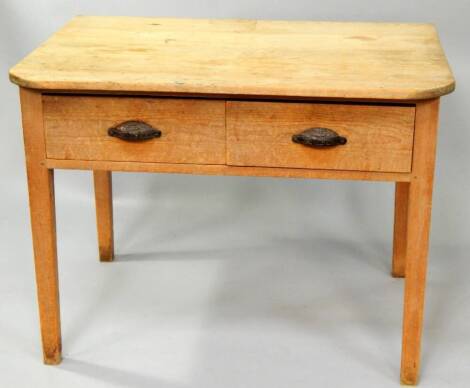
(53, 358)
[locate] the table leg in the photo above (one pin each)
(104, 213)
(418, 226)
(399, 230)
(42, 210)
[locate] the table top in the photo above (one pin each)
(385, 61)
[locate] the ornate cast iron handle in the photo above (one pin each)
(134, 131)
(319, 137)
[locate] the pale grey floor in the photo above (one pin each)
(228, 282)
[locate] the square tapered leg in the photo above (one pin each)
(402, 190)
(41, 202)
(417, 237)
(104, 214)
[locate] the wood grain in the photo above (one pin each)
(193, 131)
(42, 210)
(417, 237)
(399, 229)
(212, 169)
(96, 71)
(104, 213)
(379, 137)
(245, 57)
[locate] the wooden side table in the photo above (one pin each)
(235, 97)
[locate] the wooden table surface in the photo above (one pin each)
(386, 61)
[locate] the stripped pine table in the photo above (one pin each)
(235, 97)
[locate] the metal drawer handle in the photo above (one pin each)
(134, 131)
(319, 137)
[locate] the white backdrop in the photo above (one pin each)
(261, 282)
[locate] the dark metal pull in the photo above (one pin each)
(319, 137)
(134, 131)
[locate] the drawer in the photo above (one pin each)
(192, 130)
(379, 137)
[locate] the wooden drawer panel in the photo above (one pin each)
(379, 137)
(193, 131)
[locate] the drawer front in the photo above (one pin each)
(379, 137)
(193, 131)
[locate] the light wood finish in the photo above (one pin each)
(399, 230)
(379, 137)
(104, 213)
(199, 169)
(193, 130)
(228, 95)
(42, 209)
(417, 237)
(244, 57)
